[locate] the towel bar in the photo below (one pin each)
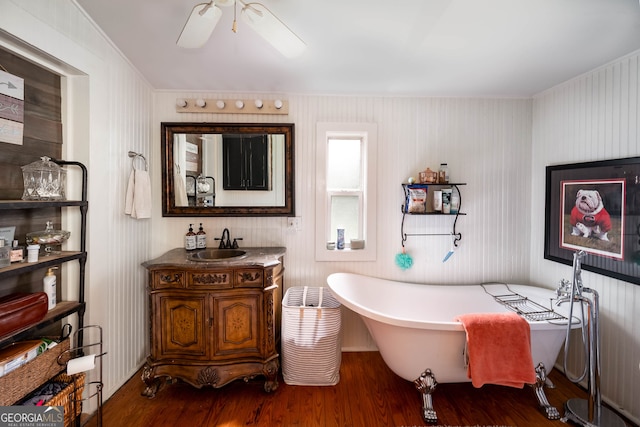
(135, 155)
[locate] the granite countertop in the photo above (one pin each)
(179, 257)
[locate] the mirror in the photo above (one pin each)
(227, 169)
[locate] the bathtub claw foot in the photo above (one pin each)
(541, 380)
(426, 384)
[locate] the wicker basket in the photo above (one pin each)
(19, 382)
(69, 397)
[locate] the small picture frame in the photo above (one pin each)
(8, 234)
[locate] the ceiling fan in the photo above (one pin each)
(205, 16)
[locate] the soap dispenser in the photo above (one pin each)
(49, 284)
(201, 238)
(190, 239)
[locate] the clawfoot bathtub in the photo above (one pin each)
(413, 327)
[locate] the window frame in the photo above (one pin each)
(368, 134)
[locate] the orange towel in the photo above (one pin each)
(499, 349)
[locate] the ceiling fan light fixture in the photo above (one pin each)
(273, 30)
(199, 26)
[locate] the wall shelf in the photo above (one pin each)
(44, 261)
(39, 204)
(456, 235)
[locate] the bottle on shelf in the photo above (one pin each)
(49, 287)
(437, 200)
(446, 200)
(5, 256)
(33, 252)
(17, 252)
(443, 174)
(340, 238)
(190, 239)
(455, 202)
(201, 238)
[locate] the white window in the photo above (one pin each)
(345, 190)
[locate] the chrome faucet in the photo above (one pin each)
(564, 290)
(591, 413)
(572, 291)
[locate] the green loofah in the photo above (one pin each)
(404, 260)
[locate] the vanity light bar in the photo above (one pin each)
(232, 106)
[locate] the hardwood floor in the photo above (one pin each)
(368, 394)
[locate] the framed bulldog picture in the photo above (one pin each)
(595, 207)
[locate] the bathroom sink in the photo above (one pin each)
(217, 254)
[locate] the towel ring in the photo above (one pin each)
(134, 156)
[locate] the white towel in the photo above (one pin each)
(180, 188)
(138, 198)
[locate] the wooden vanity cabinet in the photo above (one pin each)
(210, 326)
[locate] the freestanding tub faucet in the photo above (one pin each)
(583, 412)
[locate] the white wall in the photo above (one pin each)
(593, 117)
(106, 112)
(487, 143)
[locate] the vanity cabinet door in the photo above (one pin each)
(237, 317)
(181, 326)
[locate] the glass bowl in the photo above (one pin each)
(49, 238)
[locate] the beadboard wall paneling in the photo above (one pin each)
(592, 117)
(499, 147)
(106, 112)
(486, 143)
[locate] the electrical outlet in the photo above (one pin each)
(293, 223)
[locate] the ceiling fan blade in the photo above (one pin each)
(273, 30)
(199, 26)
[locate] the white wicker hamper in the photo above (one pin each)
(311, 337)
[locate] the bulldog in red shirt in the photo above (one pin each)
(589, 218)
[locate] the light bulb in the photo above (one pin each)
(278, 104)
(220, 104)
(239, 104)
(258, 103)
(181, 102)
(201, 102)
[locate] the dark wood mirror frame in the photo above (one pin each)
(168, 194)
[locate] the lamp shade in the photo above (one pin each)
(199, 26)
(273, 30)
